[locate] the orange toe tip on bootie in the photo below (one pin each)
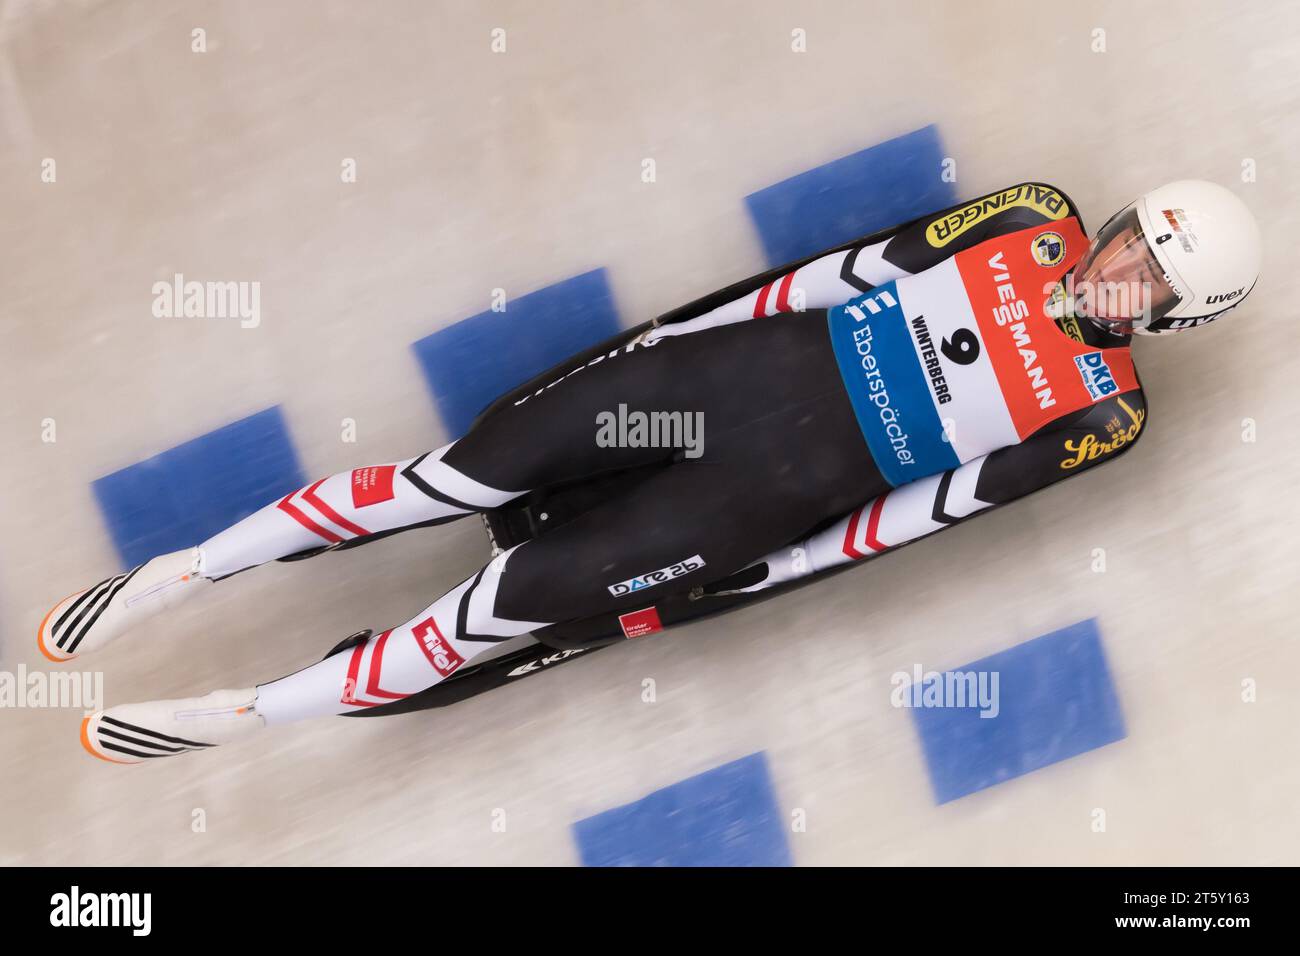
(89, 747)
(41, 631)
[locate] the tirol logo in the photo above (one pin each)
(1048, 248)
(437, 649)
(650, 579)
(1096, 375)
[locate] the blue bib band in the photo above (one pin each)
(888, 388)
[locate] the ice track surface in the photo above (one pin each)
(519, 170)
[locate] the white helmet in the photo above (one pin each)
(1192, 247)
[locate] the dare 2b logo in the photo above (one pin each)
(1096, 375)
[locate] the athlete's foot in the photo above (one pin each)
(133, 733)
(89, 619)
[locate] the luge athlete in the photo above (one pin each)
(975, 356)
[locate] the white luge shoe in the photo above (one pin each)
(89, 619)
(134, 733)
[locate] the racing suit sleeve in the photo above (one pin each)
(836, 277)
(909, 512)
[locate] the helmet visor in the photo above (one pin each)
(1118, 282)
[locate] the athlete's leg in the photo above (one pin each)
(345, 507)
(733, 375)
(348, 506)
(704, 518)
(549, 437)
(756, 488)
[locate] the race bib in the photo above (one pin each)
(962, 359)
